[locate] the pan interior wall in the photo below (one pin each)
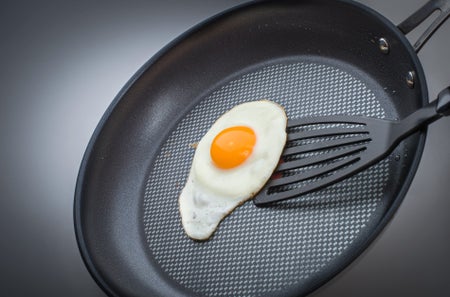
(264, 251)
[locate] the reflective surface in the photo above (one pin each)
(62, 64)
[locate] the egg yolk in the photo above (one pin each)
(232, 146)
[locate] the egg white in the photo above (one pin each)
(211, 193)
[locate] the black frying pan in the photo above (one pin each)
(315, 58)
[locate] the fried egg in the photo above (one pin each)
(231, 164)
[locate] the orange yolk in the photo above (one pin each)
(232, 146)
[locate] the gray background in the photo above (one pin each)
(62, 63)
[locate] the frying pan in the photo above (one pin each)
(316, 57)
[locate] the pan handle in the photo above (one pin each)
(443, 6)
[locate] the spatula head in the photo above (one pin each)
(321, 151)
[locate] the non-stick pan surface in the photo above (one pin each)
(312, 57)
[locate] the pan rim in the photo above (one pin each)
(77, 205)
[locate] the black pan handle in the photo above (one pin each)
(443, 6)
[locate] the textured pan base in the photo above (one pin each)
(262, 251)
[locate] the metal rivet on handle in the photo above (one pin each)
(410, 79)
(383, 45)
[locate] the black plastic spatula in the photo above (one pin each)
(321, 151)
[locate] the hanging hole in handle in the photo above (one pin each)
(415, 34)
(432, 15)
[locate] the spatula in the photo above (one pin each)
(323, 150)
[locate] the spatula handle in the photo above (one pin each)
(443, 102)
(424, 116)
